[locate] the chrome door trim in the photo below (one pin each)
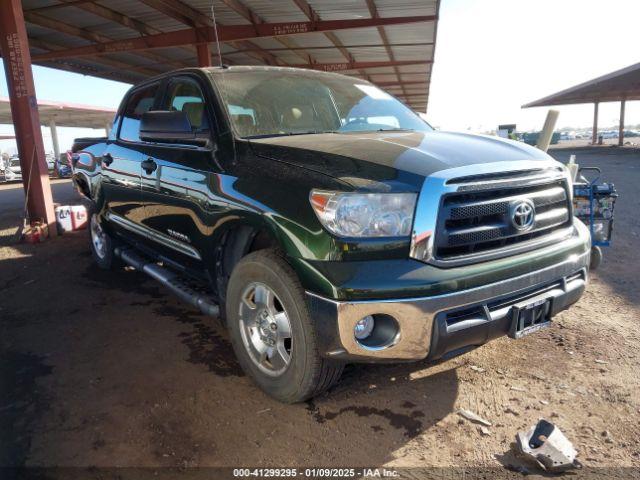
(145, 231)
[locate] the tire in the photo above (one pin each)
(306, 374)
(101, 250)
(596, 258)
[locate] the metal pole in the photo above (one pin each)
(594, 136)
(621, 131)
(54, 138)
(14, 47)
(204, 55)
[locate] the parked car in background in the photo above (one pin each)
(13, 171)
(327, 223)
(608, 134)
(50, 158)
(63, 166)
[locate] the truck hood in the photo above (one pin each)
(364, 159)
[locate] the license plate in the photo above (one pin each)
(529, 318)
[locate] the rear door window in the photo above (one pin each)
(139, 102)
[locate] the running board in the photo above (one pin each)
(169, 279)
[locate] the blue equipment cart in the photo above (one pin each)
(593, 203)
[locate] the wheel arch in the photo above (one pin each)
(237, 241)
(83, 184)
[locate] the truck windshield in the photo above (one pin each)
(264, 103)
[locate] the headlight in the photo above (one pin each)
(365, 214)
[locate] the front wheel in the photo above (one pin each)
(271, 332)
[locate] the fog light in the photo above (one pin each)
(364, 327)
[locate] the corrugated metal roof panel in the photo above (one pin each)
(373, 54)
(359, 36)
(276, 11)
(338, 10)
(314, 39)
(418, 52)
(362, 44)
(411, 32)
(224, 14)
(74, 16)
(401, 8)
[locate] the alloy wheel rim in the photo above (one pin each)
(265, 329)
(98, 237)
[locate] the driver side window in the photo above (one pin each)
(185, 95)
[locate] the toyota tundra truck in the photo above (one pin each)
(326, 223)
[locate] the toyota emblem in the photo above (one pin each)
(523, 215)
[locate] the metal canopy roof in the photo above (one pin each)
(389, 42)
(64, 114)
(616, 86)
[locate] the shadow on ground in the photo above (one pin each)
(107, 368)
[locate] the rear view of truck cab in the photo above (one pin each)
(327, 223)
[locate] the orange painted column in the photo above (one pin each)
(14, 46)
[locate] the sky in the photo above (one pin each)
(492, 56)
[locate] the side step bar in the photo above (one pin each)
(170, 280)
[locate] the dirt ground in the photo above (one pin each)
(107, 369)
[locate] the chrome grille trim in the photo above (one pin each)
(543, 198)
(479, 178)
(492, 217)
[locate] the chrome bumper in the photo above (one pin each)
(417, 337)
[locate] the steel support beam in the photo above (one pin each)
(330, 47)
(341, 67)
(249, 15)
(226, 33)
(14, 47)
(373, 10)
(194, 18)
(313, 16)
(594, 135)
(204, 55)
(621, 127)
(117, 17)
(88, 34)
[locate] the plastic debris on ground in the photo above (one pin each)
(545, 444)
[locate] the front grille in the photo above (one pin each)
(473, 221)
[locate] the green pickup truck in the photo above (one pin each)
(325, 223)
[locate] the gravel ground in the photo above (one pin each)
(107, 369)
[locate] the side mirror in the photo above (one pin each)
(169, 127)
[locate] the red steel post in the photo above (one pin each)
(204, 55)
(14, 46)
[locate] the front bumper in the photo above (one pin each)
(437, 325)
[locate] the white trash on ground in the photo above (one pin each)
(547, 446)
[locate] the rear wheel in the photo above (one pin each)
(272, 334)
(101, 244)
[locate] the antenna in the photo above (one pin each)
(215, 31)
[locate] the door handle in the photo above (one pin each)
(107, 159)
(149, 165)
